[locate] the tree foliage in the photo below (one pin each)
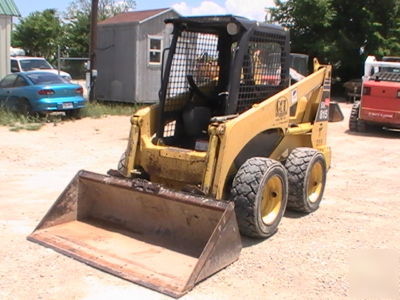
(78, 27)
(341, 32)
(106, 8)
(39, 34)
(77, 35)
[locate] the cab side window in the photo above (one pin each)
(8, 81)
(20, 81)
(14, 66)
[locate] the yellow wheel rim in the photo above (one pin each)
(315, 183)
(271, 199)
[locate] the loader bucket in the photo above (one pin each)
(162, 239)
(335, 113)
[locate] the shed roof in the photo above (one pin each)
(8, 8)
(134, 16)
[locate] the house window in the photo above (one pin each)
(155, 48)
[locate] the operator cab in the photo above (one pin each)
(217, 66)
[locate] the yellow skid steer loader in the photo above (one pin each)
(230, 145)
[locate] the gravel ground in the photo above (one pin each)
(347, 248)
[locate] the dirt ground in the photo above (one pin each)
(311, 256)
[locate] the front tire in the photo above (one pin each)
(307, 177)
(260, 191)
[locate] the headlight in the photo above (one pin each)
(169, 28)
(232, 28)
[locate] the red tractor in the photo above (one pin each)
(380, 96)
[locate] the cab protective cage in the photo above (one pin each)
(230, 62)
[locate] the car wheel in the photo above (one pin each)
(23, 106)
(73, 113)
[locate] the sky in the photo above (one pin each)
(252, 9)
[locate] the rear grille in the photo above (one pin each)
(386, 76)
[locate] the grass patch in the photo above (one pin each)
(17, 122)
(33, 126)
(16, 128)
(98, 110)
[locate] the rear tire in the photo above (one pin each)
(260, 191)
(122, 164)
(73, 113)
(307, 177)
(23, 107)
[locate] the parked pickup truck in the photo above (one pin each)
(27, 63)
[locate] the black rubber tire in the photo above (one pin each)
(23, 106)
(355, 124)
(247, 193)
(40, 114)
(122, 164)
(299, 166)
(73, 113)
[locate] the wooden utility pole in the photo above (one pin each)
(92, 46)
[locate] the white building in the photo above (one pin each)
(8, 9)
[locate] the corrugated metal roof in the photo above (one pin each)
(134, 16)
(8, 8)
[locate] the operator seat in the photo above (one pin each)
(196, 120)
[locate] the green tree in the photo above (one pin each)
(78, 22)
(77, 35)
(106, 9)
(308, 21)
(39, 34)
(341, 32)
(384, 19)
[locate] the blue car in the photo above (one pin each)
(40, 92)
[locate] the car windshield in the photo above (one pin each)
(45, 78)
(31, 64)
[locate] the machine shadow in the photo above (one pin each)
(294, 214)
(387, 133)
(248, 242)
